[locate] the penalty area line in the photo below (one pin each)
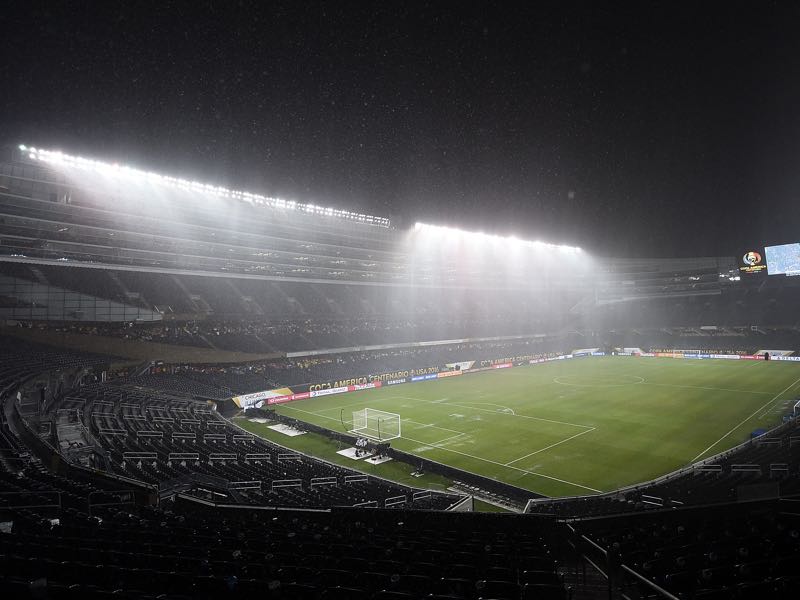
(428, 425)
(506, 409)
(308, 412)
(572, 437)
(499, 464)
(700, 387)
(493, 462)
(746, 419)
(532, 418)
(473, 407)
(447, 439)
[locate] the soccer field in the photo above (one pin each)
(576, 426)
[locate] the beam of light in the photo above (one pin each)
(452, 233)
(124, 171)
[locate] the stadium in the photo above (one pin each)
(214, 393)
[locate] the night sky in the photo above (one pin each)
(660, 129)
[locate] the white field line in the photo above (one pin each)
(421, 425)
(787, 403)
(700, 387)
(509, 410)
(773, 410)
(452, 437)
(499, 464)
(746, 419)
(494, 412)
(361, 404)
(572, 437)
(494, 462)
(497, 412)
(427, 425)
(424, 425)
(308, 412)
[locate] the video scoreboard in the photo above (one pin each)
(783, 259)
(771, 260)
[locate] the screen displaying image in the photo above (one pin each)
(783, 260)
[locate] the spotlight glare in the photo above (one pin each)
(451, 233)
(117, 170)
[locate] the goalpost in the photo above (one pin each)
(376, 424)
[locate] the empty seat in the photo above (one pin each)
(543, 591)
(497, 589)
(345, 593)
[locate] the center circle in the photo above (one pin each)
(595, 381)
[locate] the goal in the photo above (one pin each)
(376, 424)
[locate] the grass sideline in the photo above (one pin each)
(325, 448)
(320, 446)
(577, 426)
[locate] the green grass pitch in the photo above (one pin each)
(577, 426)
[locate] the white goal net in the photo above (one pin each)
(376, 424)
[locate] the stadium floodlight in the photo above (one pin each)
(452, 233)
(125, 171)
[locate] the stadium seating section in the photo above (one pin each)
(121, 478)
(83, 530)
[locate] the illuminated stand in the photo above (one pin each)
(57, 158)
(376, 424)
(450, 233)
